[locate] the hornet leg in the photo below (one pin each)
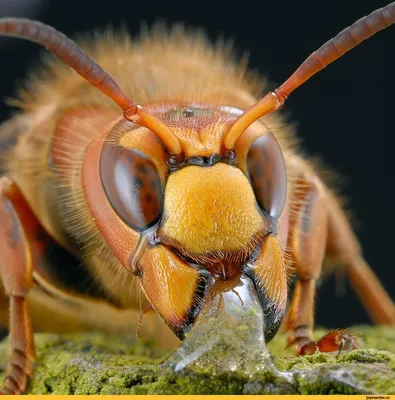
(16, 275)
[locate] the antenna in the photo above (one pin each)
(68, 51)
(333, 49)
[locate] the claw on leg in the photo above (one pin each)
(302, 339)
(304, 346)
(16, 379)
(21, 349)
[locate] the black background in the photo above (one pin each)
(345, 113)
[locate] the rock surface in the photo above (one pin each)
(97, 364)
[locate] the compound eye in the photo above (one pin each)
(266, 168)
(132, 186)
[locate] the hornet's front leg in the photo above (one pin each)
(319, 228)
(307, 240)
(16, 221)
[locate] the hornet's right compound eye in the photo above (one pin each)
(132, 186)
(266, 169)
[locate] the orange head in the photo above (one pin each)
(208, 216)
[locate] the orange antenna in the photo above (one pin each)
(68, 51)
(350, 37)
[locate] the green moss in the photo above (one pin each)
(95, 363)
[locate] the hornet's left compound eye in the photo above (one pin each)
(266, 168)
(132, 186)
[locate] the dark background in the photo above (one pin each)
(345, 114)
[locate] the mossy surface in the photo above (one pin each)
(97, 364)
